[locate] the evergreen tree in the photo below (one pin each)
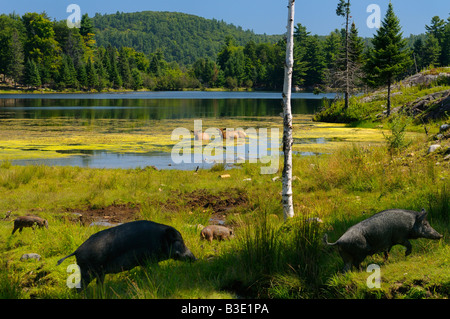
(15, 66)
(315, 58)
(431, 51)
(205, 71)
(437, 29)
(31, 74)
(82, 76)
(232, 61)
(91, 76)
(157, 64)
(114, 76)
(301, 38)
(71, 42)
(137, 79)
(67, 73)
(101, 70)
(390, 58)
(356, 46)
(124, 68)
(87, 27)
(418, 54)
(445, 46)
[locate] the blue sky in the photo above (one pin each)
(261, 16)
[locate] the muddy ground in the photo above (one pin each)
(218, 204)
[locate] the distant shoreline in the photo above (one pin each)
(51, 91)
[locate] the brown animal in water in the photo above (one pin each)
(228, 134)
(232, 134)
(201, 136)
(216, 232)
(29, 221)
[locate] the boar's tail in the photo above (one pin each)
(325, 241)
(62, 259)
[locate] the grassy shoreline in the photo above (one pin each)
(267, 259)
(357, 175)
(111, 90)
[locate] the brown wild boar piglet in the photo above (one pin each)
(216, 232)
(29, 221)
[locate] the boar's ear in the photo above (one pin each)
(422, 215)
(171, 235)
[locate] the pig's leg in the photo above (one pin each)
(408, 246)
(100, 279)
(86, 278)
(347, 267)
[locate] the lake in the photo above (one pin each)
(37, 110)
(155, 105)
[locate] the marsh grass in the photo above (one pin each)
(267, 258)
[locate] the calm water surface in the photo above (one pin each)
(147, 106)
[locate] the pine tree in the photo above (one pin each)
(124, 69)
(82, 76)
(91, 76)
(445, 47)
(16, 66)
(437, 30)
(67, 78)
(101, 73)
(31, 74)
(431, 51)
(114, 76)
(87, 27)
(390, 57)
(137, 79)
(315, 58)
(301, 38)
(418, 54)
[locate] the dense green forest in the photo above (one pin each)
(184, 38)
(172, 51)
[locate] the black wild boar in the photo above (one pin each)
(126, 246)
(29, 221)
(380, 232)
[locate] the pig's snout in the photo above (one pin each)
(184, 256)
(189, 256)
(435, 235)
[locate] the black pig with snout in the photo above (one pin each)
(126, 246)
(380, 232)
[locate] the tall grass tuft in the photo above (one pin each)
(261, 246)
(306, 246)
(439, 205)
(292, 249)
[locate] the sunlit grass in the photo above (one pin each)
(267, 258)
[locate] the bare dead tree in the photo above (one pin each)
(346, 73)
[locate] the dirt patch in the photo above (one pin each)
(114, 214)
(220, 203)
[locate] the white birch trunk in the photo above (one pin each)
(288, 207)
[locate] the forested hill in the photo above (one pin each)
(184, 38)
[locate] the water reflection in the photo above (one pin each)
(154, 105)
